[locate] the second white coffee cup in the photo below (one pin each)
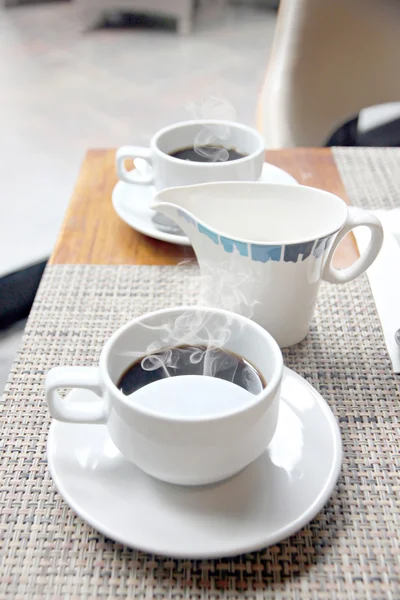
(164, 171)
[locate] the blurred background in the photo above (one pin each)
(79, 74)
(75, 76)
(103, 73)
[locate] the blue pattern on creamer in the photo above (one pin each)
(262, 253)
(211, 234)
(188, 218)
(294, 251)
(321, 245)
(229, 245)
(318, 248)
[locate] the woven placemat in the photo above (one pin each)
(351, 550)
(371, 176)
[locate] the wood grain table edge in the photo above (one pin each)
(92, 233)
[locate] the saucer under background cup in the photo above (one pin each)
(271, 499)
(132, 202)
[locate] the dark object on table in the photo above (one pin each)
(17, 292)
(387, 134)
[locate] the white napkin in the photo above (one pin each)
(384, 278)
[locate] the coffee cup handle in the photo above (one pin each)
(86, 378)
(132, 152)
(357, 217)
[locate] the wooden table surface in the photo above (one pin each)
(92, 233)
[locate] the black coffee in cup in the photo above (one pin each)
(207, 154)
(191, 360)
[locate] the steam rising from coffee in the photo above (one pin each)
(210, 140)
(195, 330)
(195, 333)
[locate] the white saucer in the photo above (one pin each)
(131, 202)
(271, 499)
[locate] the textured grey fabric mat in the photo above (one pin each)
(371, 176)
(351, 550)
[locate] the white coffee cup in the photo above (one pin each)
(165, 171)
(216, 428)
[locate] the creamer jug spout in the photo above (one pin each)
(179, 204)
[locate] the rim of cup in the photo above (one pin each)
(337, 223)
(128, 401)
(182, 124)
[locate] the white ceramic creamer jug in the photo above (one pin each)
(264, 248)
